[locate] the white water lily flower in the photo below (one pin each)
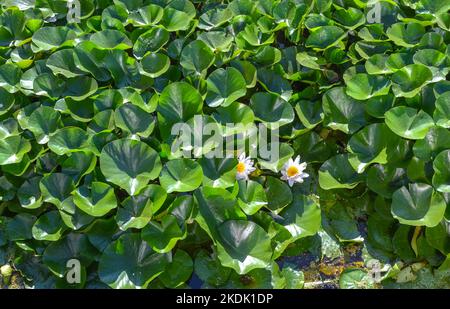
(293, 171)
(244, 167)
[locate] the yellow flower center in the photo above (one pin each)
(241, 167)
(292, 171)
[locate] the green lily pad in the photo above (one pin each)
(178, 102)
(409, 80)
(364, 86)
(406, 35)
(73, 246)
(134, 120)
(48, 226)
(13, 149)
(252, 196)
(302, 218)
(47, 38)
(163, 236)
(409, 123)
(442, 109)
(96, 200)
(155, 64)
(67, 140)
(338, 173)
(196, 57)
(325, 37)
(130, 164)
(136, 211)
(271, 109)
(225, 87)
(129, 262)
(418, 205)
(441, 177)
(181, 175)
(150, 41)
(178, 271)
(342, 112)
(244, 246)
(56, 188)
(110, 39)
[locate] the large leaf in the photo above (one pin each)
(271, 109)
(67, 140)
(342, 112)
(47, 38)
(365, 86)
(163, 236)
(129, 262)
(409, 81)
(177, 103)
(48, 226)
(225, 87)
(130, 164)
(418, 205)
(181, 175)
(12, 149)
(244, 246)
(337, 173)
(252, 196)
(325, 37)
(72, 246)
(196, 57)
(371, 145)
(441, 113)
(302, 218)
(137, 210)
(96, 200)
(441, 177)
(409, 123)
(110, 39)
(134, 120)
(56, 188)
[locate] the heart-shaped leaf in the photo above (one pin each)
(96, 200)
(129, 262)
(418, 205)
(130, 164)
(181, 175)
(244, 246)
(409, 123)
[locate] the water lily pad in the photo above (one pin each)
(129, 262)
(130, 164)
(163, 236)
(48, 226)
(110, 39)
(225, 87)
(409, 123)
(244, 246)
(96, 200)
(181, 175)
(337, 173)
(418, 205)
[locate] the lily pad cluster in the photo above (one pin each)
(359, 89)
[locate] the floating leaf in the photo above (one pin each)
(130, 164)
(181, 175)
(409, 123)
(418, 205)
(129, 262)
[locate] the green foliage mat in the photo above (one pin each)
(358, 89)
